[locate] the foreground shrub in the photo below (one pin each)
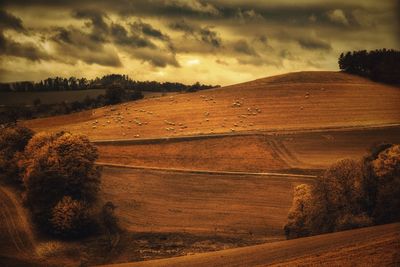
(13, 140)
(349, 195)
(351, 221)
(386, 170)
(302, 209)
(70, 218)
(59, 165)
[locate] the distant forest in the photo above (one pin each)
(113, 81)
(118, 89)
(382, 65)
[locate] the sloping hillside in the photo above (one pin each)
(16, 237)
(245, 206)
(372, 246)
(294, 101)
(283, 152)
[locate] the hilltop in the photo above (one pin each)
(294, 101)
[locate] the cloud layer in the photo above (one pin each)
(230, 41)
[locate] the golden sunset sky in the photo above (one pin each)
(213, 42)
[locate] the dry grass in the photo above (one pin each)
(292, 101)
(250, 153)
(154, 201)
(232, 153)
(383, 251)
(372, 246)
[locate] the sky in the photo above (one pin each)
(214, 42)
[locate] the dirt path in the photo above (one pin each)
(17, 236)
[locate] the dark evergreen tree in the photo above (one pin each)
(381, 65)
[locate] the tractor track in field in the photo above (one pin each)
(284, 154)
(291, 176)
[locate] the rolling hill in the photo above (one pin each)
(247, 152)
(294, 101)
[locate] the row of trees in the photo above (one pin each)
(349, 195)
(10, 114)
(115, 81)
(58, 179)
(381, 65)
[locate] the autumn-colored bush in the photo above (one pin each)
(386, 170)
(13, 140)
(59, 165)
(349, 195)
(302, 210)
(322, 207)
(70, 217)
(352, 221)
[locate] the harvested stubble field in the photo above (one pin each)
(248, 153)
(251, 207)
(295, 101)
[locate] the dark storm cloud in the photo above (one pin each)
(96, 22)
(182, 26)
(121, 37)
(314, 43)
(28, 50)
(243, 47)
(74, 45)
(203, 34)
(397, 8)
(278, 11)
(156, 58)
(149, 30)
(139, 47)
(9, 21)
(134, 41)
(211, 37)
(96, 17)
